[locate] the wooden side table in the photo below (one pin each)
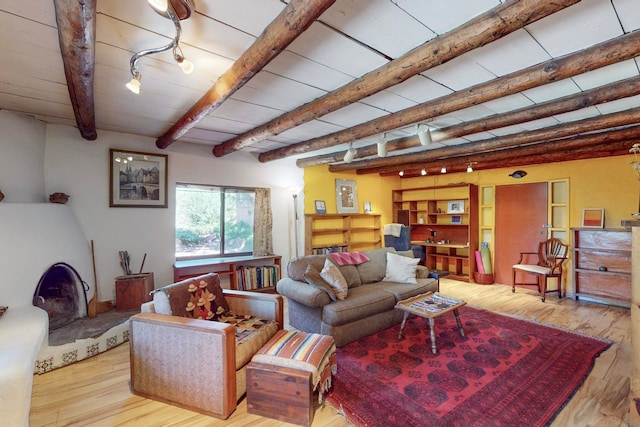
(132, 291)
(430, 306)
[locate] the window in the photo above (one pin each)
(213, 221)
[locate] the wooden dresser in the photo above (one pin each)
(602, 265)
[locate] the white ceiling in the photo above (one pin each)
(350, 39)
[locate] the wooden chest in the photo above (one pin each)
(132, 291)
(281, 393)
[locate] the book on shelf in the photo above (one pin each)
(329, 249)
(257, 277)
(435, 303)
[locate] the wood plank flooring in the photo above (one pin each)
(95, 392)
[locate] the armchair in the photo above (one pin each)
(550, 256)
(192, 363)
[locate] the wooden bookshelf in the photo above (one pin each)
(324, 233)
(444, 220)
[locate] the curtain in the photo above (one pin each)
(262, 223)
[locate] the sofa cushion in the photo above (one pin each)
(312, 277)
(251, 334)
(400, 269)
(362, 302)
(332, 275)
(297, 266)
(374, 269)
(207, 301)
(401, 291)
(173, 299)
(351, 275)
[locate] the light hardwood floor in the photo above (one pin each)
(95, 392)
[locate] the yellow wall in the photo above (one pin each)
(607, 183)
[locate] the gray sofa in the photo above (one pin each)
(368, 307)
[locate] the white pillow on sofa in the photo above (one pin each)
(331, 274)
(401, 269)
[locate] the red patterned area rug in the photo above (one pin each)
(504, 372)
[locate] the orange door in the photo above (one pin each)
(521, 216)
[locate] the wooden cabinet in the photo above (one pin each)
(324, 233)
(132, 291)
(602, 265)
(444, 220)
(234, 268)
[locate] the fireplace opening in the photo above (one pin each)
(62, 293)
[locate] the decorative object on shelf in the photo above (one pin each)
(58, 198)
(367, 207)
(456, 219)
(455, 206)
(321, 207)
(518, 174)
(137, 179)
(346, 196)
(593, 217)
(1, 196)
(421, 219)
(175, 10)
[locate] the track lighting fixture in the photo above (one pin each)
(401, 173)
(423, 172)
(424, 134)
(382, 146)
(470, 167)
(443, 170)
(350, 154)
(164, 8)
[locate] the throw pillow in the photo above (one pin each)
(335, 279)
(401, 269)
(312, 276)
(205, 303)
(3, 309)
(349, 258)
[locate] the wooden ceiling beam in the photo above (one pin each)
(600, 55)
(612, 120)
(294, 19)
(595, 96)
(76, 20)
(481, 30)
(546, 150)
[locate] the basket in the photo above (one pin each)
(483, 278)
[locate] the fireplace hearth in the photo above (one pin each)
(61, 292)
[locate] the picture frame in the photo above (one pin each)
(593, 217)
(137, 179)
(321, 207)
(455, 206)
(456, 219)
(367, 207)
(346, 196)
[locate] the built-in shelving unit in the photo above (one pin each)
(444, 220)
(324, 233)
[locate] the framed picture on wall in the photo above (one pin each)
(346, 196)
(137, 180)
(593, 217)
(455, 206)
(367, 207)
(456, 219)
(321, 207)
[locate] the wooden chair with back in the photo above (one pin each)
(550, 257)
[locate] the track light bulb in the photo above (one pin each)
(382, 146)
(134, 85)
(159, 5)
(469, 168)
(424, 134)
(401, 173)
(349, 155)
(443, 170)
(185, 65)
(423, 172)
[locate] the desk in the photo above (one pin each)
(223, 266)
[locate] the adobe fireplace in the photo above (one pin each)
(62, 293)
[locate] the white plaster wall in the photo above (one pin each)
(22, 145)
(80, 168)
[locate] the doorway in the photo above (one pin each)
(521, 212)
